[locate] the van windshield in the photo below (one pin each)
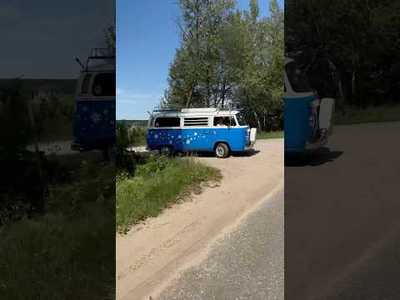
(297, 78)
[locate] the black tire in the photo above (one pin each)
(221, 150)
(166, 151)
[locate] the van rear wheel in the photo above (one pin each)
(222, 150)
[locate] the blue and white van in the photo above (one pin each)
(94, 118)
(307, 119)
(199, 130)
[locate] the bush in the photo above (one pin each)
(57, 255)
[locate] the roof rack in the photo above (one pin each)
(101, 53)
(166, 110)
(106, 55)
(199, 110)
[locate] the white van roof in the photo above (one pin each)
(194, 112)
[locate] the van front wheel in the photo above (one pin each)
(222, 150)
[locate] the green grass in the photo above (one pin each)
(55, 117)
(138, 136)
(56, 257)
(386, 113)
(158, 183)
(69, 252)
(261, 135)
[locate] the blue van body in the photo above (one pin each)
(94, 116)
(302, 120)
(199, 139)
(299, 123)
(185, 135)
(94, 123)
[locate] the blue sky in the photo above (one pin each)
(147, 37)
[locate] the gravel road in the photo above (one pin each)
(246, 264)
(342, 225)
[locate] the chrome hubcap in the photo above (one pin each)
(220, 151)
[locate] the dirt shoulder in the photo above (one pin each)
(152, 254)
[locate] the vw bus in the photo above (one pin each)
(307, 119)
(94, 118)
(199, 130)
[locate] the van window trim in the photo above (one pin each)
(225, 116)
(89, 95)
(153, 125)
(89, 90)
(209, 126)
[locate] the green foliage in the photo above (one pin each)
(57, 258)
(57, 255)
(110, 38)
(125, 138)
(261, 135)
(92, 183)
(350, 49)
(159, 183)
(355, 115)
(229, 58)
(53, 117)
(17, 131)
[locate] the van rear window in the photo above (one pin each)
(167, 122)
(200, 121)
(104, 84)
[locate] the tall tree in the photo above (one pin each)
(229, 58)
(357, 40)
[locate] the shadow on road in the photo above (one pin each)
(251, 152)
(318, 158)
(248, 153)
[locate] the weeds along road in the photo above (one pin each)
(342, 225)
(153, 256)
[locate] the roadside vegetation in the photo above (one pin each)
(147, 183)
(156, 184)
(57, 213)
(262, 135)
(354, 115)
(61, 250)
(361, 74)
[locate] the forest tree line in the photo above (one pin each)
(350, 50)
(229, 59)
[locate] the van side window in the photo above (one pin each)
(167, 122)
(200, 121)
(224, 121)
(104, 84)
(85, 84)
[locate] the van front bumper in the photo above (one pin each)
(250, 146)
